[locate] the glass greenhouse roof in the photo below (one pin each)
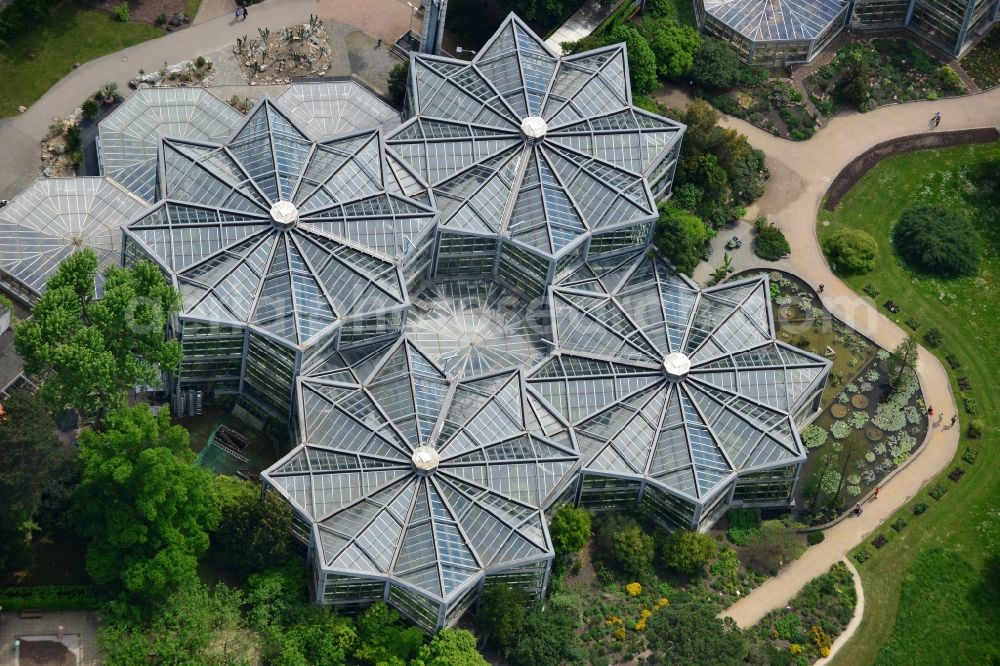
(328, 108)
(280, 232)
(474, 326)
(663, 381)
(55, 217)
(776, 20)
(408, 475)
(521, 143)
(129, 138)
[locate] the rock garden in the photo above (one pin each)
(277, 57)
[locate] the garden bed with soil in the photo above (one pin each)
(774, 106)
(871, 73)
(153, 12)
(982, 63)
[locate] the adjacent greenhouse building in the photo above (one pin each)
(56, 217)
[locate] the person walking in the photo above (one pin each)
(875, 496)
(236, 14)
(954, 418)
(821, 287)
(245, 13)
(930, 411)
(937, 118)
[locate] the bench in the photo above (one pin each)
(31, 614)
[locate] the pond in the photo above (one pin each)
(866, 428)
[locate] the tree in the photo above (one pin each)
(937, 240)
(549, 637)
(641, 61)
(94, 351)
(777, 546)
(680, 236)
(253, 533)
(853, 86)
(541, 11)
(851, 251)
(28, 442)
(570, 530)
(633, 550)
(317, 636)
(690, 633)
(689, 552)
(144, 504)
(902, 360)
(716, 65)
(383, 638)
(771, 243)
(501, 614)
(673, 45)
(451, 647)
(398, 77)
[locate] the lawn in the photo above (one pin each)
(36, 60)
(926, 590)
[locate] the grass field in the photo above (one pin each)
(35, 61)
(927, 592)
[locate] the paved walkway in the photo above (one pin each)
(800, 175)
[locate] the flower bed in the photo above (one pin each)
(774, 106)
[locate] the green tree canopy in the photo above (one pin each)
(451, 647)
(641, 61)
(633, 550)
(92, 351)
(680, 236)
(937, 240)
(778, 545)
(689, 633)
(382, 638)
(851, 251)
(716, 65)
(570, 530)
(903, 360)
(689, 552)
(673, 46)
(143, 503)
(28, 444)
(501, 614)
(549, 636)
(254, 532)
(397, 83)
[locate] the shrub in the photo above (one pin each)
(937, 240)
(90, 108)
(851, 251)
(689, 552)
(771, 243)
(634, 589)
(937, 492)
(744, 526)
(971, 406)
(815, 537)
(899, 524)
(871, 290)
(970, 455)
(919, 508)
(633, 550)
(880, 540)
(777, 546)
(680, 236)
(813, 437)
(862, 555)
(953, 361)
(160, 19)
(932, 338)
(52, 597)
(121, 12)
(956, 474)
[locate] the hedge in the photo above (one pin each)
(52, 597)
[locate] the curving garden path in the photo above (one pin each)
(800, 175)
(801, 172)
